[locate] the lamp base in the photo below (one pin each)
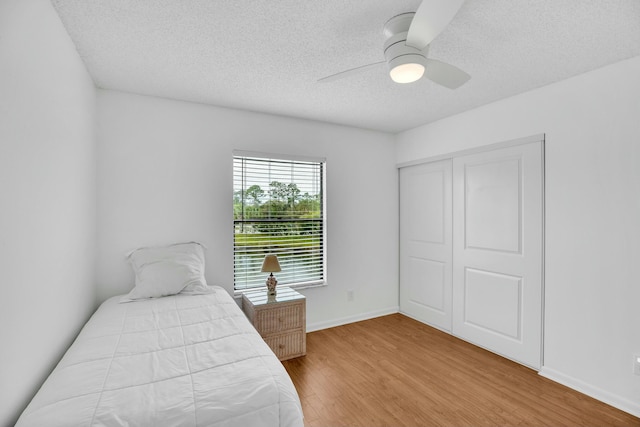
(271, 284)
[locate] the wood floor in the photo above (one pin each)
(394, 371)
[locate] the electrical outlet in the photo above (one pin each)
(636, 364)
(350, 295)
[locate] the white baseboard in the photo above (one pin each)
(351, 319)
(597, 393)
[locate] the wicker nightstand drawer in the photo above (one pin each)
(287, 346)
(280, 320)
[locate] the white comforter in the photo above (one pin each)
(172, 361)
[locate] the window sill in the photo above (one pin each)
(238, 293)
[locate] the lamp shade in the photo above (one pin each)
(270, 264)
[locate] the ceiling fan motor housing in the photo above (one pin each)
(396, 50)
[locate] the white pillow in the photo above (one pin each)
(167, 270)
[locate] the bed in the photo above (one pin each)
(177, 360)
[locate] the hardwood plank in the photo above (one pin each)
(395, 371)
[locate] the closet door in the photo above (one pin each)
(497, 251)
(425, 243)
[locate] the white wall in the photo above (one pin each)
(592, 296)
(165, 175)
(47, 198)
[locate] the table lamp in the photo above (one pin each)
(271, 265)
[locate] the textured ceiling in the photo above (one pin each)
(267, 55)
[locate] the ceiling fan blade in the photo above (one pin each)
(445, 74)
(430, 19)
(350, 72)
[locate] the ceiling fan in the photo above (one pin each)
(408, 36)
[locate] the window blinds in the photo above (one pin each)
(278, 208)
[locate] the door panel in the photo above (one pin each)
(426, 205)
(425, 243)
(497, 251)
(492, 205)
(431, 277)
(493, 302)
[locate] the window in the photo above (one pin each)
(278, 208)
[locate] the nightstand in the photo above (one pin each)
(280, 319)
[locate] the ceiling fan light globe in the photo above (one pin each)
(407, 73)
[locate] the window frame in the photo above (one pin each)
(323, 208)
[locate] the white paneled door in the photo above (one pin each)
(425, 243)
(471, 235)
(497, 251)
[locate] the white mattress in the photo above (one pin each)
(182, 360)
